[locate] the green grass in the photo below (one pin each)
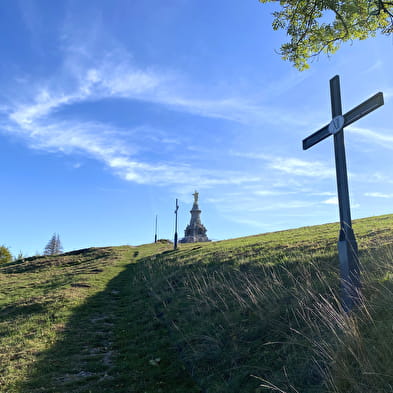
(245, 315)
(75, 323)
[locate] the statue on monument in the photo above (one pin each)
(195, 231)
(196, 196)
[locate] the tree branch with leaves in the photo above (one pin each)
(321, 26)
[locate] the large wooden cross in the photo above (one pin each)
(347, 246)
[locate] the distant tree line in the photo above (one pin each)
(53, 247)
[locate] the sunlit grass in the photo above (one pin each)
(244, 315)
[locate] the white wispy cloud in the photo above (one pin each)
(272, 192)
(291, 165)
(325, 193)
(374, 178)
(234, 109)
(92, 84)
(331, 201)
(107, 146)
(279, 206)
(377, 65)
(384, 140)
(334, 201)
(37, 117)
(295, 166)
(387, 93)
(115, 75)
(378, 195)
(260, 224)
(81, 79)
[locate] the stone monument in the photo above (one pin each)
(195, 231)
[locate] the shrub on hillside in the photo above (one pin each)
(164, 241)
(5, 255)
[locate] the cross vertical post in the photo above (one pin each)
(175, 240)
(347, 246)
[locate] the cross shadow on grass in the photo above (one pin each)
(111, 343)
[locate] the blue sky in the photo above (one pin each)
(111, 110)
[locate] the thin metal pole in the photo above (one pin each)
(155, 236)
(175, 240)
(347, 246)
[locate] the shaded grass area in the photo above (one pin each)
(75, 323)
(244, 315)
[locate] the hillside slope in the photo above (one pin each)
(241, 315)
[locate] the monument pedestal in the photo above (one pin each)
(195, 231)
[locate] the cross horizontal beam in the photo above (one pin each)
(354, 114)
(363, 109)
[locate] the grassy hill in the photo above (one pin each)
(252, 314)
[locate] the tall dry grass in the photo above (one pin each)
(358, 351)
(279, 327)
